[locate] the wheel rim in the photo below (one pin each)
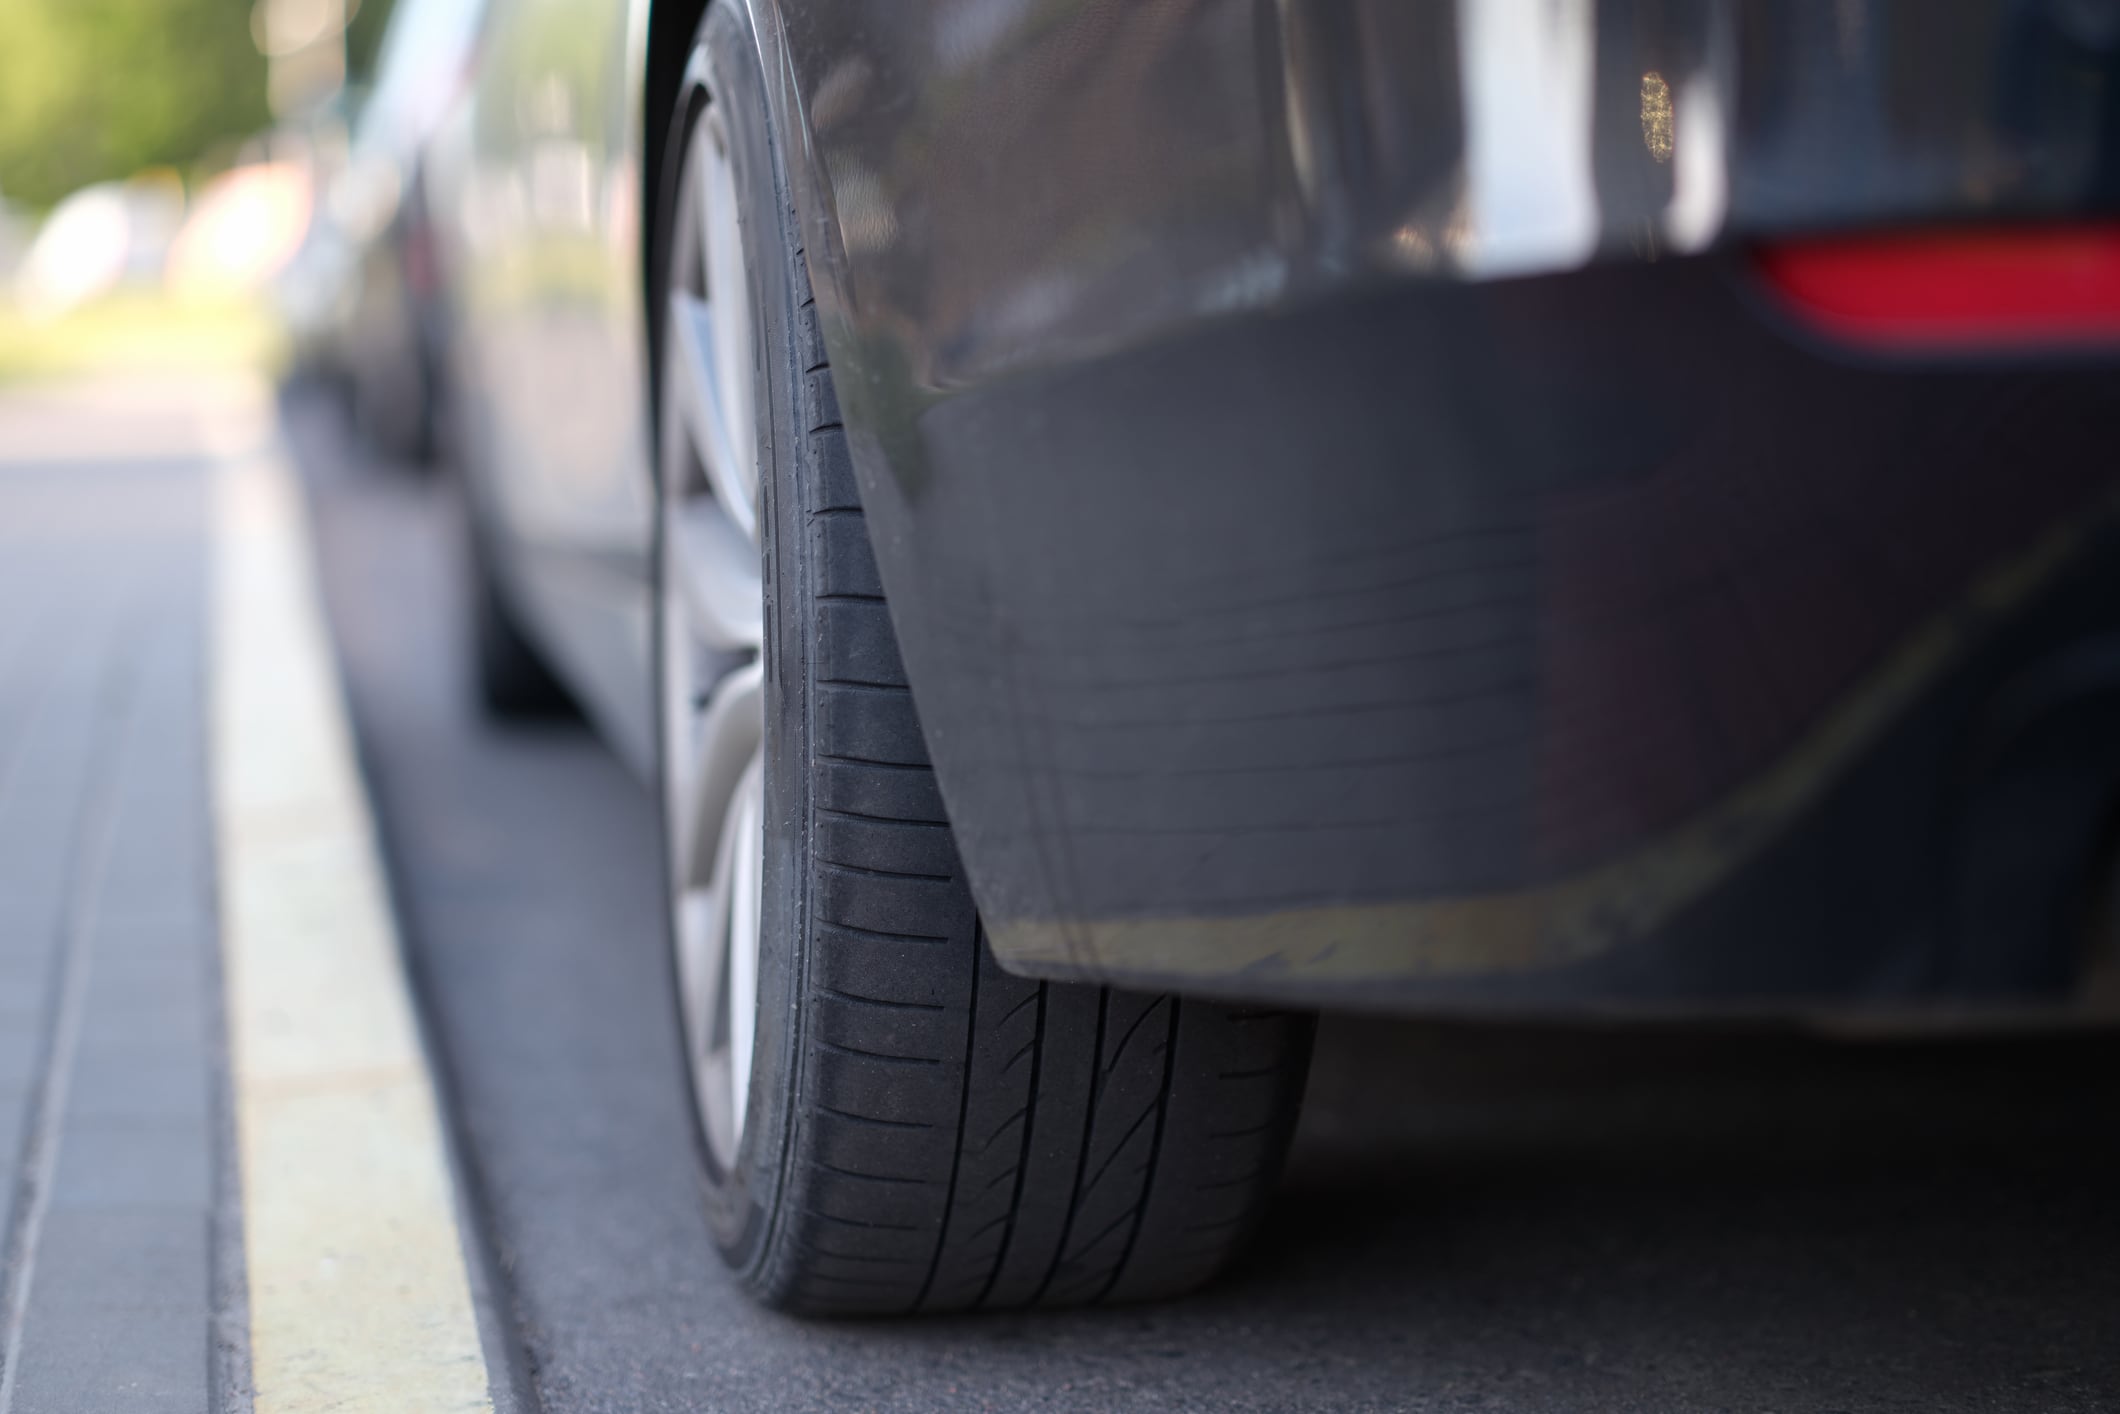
(711, 616)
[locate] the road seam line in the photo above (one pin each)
(358, 1291)
(94, 832)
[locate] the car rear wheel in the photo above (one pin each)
(888, 1121)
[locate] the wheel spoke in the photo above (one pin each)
(699, 389)
(725, 281)
(717, 576)
(746, 839)
(702, 944)
(727, 737)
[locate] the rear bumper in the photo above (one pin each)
(1590, 637)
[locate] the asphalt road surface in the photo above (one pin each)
(1487, 1218)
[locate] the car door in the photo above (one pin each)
(555, 437)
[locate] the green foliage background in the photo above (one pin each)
(96, 89)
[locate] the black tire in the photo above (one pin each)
(514, 683)
(929, 1132)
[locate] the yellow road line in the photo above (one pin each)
(359, 1298)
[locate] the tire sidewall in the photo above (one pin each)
(723, 70)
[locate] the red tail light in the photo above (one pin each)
(1956, 290)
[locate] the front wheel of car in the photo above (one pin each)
(888, 1121)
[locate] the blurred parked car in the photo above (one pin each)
(1109, 524)
(389, 320)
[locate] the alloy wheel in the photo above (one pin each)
(710, 615)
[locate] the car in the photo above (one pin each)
(389, 322)
(1110, 529)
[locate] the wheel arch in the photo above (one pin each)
(672, 24)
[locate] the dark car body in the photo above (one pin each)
(1362, 521)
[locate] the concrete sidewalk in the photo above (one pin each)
(123, 1287)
